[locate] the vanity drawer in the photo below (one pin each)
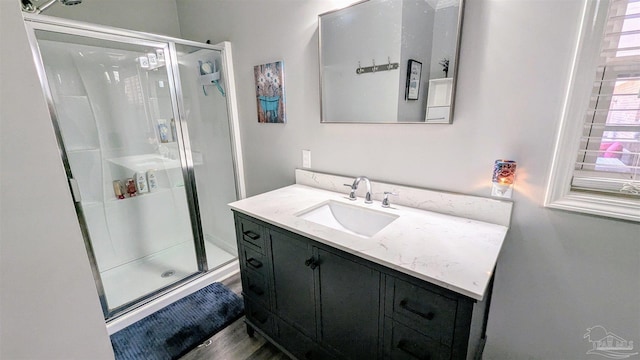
(255, 286)
(255, 261)
(259, 316)
(401, 342)
(252, 234)
(430, 313)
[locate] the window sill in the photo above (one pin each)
(601, 205)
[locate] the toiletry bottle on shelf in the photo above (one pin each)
(152, 180)
(118, 189)
(163, 130)
(131, 187)
(141, 182)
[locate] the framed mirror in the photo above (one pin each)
(390, 61)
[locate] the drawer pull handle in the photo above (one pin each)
(254, 263)
(256, 289)
(428, 316)
(311, 262)
(251, 235)
(404, 347)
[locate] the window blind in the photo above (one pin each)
(608, 158)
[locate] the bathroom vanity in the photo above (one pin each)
(417, 288)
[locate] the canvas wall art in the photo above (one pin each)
(270, 92)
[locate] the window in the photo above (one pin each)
(597, 160)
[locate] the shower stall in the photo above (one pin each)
(147, 131)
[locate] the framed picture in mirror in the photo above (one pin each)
(414, 70)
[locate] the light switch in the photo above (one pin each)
(306, 159)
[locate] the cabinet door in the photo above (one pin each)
(301, 346)
(293, 282)
(349, 306)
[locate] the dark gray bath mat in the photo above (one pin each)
(178, 328)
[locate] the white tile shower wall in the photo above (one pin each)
(143, 225)
(99, 121)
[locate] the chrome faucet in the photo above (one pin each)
(354, 187)
(385, 201)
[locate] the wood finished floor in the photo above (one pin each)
(233, 343)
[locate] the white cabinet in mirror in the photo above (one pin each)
(365, 54)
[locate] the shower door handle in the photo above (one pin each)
(75, 190)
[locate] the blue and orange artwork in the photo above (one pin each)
(270, 92)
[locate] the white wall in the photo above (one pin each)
(417, 36)
(154, 16)
(49, 307)
(444, 45)
(560, 272)
(367, 33)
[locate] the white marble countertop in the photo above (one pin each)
(452, 252)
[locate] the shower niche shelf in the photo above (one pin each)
(90, 204)
(74, 150)
(138, 163)
(168, 171)
(141, 197)
(142, 163)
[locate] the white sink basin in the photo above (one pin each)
(352, 219)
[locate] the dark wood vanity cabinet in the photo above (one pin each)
(348, 305)
(293, 282)
(317, 302)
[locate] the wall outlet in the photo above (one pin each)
(306, 159)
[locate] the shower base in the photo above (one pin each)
(135, 279)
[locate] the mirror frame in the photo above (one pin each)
(456, 56)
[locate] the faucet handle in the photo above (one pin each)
(385, 200)
(352, 193)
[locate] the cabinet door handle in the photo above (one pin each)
(254, 263)
(251, 235)
(428, 316)
(403, 346)
(256, 289)
(311, 262)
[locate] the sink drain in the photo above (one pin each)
(168, 273)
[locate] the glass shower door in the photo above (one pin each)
(115, 117)
(204, 109)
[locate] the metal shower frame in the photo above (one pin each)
(35, 22)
